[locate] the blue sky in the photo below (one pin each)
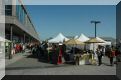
(72, 20)
(71, 2)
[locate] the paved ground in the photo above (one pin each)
(15, 58)
(28, 65)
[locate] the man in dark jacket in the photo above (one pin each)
(99, 54)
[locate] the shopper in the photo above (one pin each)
(111, 56)
(60, 53)
(99, 55)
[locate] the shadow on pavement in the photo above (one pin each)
(30, 56)
(36, 67)
(42, 59)
(106, 64)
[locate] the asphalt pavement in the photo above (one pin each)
(29, 65)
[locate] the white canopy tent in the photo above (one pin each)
(76, 37)
(59, 38)
(105, 42)
(83, 38)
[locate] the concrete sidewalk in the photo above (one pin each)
(31, 66)
(16, 57)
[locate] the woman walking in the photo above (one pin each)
(60, 54)
(111, 56)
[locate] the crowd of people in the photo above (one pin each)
(50, 53)
(18, 48)
(111, 52)
(59, 53)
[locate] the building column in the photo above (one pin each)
(11, 33)
(11, 38)
(13, 7)
(29, 39)
(24, 38)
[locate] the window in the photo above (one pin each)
(22, 17)
(20, 13)
(8, 10)
(17, 11)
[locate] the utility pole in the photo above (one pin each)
(95, 22)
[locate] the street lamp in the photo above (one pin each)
(95, 22)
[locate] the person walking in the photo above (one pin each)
(99, 55)
(45, 46)
(23, 48)
(60, 52)
(64, 52)
(111, 56)
(54, 54)
(103, 50)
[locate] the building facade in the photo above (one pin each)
(18, 24)
(118, 23)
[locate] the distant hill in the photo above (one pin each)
(109, 39)
(113, 40)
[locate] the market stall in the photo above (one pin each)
(74, 42)
(94, 41)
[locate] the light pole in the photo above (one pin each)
(95, 22)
